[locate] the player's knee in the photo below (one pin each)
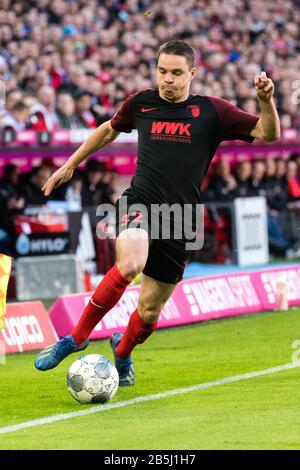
(130, 268)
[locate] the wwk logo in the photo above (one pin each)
(170, 128)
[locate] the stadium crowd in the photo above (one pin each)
(69, 63)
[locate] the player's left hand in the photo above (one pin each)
(264, 87)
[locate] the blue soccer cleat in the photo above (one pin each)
(125, 366)
(51, 356)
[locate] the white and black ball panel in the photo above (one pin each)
(92, 379)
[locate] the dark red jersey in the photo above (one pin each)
(177, 141)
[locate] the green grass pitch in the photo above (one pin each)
(259, 413)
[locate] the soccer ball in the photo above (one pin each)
(92, 379)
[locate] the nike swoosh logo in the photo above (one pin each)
(98, 306)
(145, 110)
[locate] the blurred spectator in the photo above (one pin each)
(222, 186)
(65, 109)
(10, 181)
(17, 119)
(12, 97)
(257, 181)
(110, 179)
(11, 203)
(49, 163)
(280, 169)
(32, 188)
(85, 115)
(279, 243)
(75, 81)
(293, 181)
(73, 191)
(270, 171)
(109, 182)
(95, 191)
(242, 175)
(30, 100)
(276, 188)
(295, 157)
(43, 116)
(250, 105)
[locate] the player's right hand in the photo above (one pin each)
(62, 175)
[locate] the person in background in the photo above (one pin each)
(276, 188)
(32, 188)
(293, 181)
(278, 222)
(93, 189)
(242, 173)
(74, 81)
(270, 171)
(293, 194)
(295, 157)
(84, 113)
(73, 191)
(65, 109)
(42, 114)
(222, 185)
(281, 169)
(110, 178)
(11, 203)
(30, 99)
(257, 186)
(17, 119)
(12, 97)
(10, 180)
(278, 242)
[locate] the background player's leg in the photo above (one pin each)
(154, 294)
(131, 251)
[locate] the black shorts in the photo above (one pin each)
(167, 258)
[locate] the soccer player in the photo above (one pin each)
(178, 134)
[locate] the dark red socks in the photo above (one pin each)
(105, 297)
(136, 333)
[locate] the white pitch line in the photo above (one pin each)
(134, 401)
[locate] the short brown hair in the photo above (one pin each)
(178, 47)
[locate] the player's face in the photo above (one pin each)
(174, 77)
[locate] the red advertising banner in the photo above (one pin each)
(271, 284)
(194, 300)
(27, 327)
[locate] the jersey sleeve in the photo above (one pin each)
(235, 123)
(122, 121)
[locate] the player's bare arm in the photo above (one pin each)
(268, 125)
(103, 135)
